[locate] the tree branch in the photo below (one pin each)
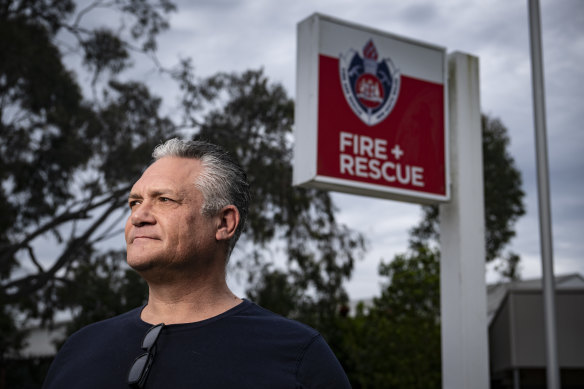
(34, 260)
(67, 216)
(31, 283)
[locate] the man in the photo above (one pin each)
(187, 211)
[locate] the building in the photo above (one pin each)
(517, 333)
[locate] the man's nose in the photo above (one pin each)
(142, 214)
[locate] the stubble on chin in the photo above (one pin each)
(139, 261)
(151, 265)
(140, 266)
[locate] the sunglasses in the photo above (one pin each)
(141, 366)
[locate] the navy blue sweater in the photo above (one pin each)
(245, 347)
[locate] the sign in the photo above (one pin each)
(370, 113)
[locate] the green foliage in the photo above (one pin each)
(25, 373)
(104, 50)
(103, 287)
(503, 200)
(396, 343)
(412, 286)
(503, 194)
(8, 326)
(49, 14)
(276, 293)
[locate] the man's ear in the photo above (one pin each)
(228, 222)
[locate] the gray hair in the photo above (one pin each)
(222, 181)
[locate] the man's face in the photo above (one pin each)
(166, 229)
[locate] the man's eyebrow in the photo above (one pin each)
(154, 193)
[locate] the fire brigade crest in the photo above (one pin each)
(371, 87)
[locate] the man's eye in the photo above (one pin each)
(165, 199)
(133, 202)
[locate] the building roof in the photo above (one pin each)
(496, 292)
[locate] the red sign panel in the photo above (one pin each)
(379, 125)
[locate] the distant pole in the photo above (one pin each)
(545, 225)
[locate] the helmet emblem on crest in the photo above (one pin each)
(371, 87)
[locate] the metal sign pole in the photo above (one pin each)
(545, 227)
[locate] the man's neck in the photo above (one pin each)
(179, 303)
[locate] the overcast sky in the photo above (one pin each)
(230, 35)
